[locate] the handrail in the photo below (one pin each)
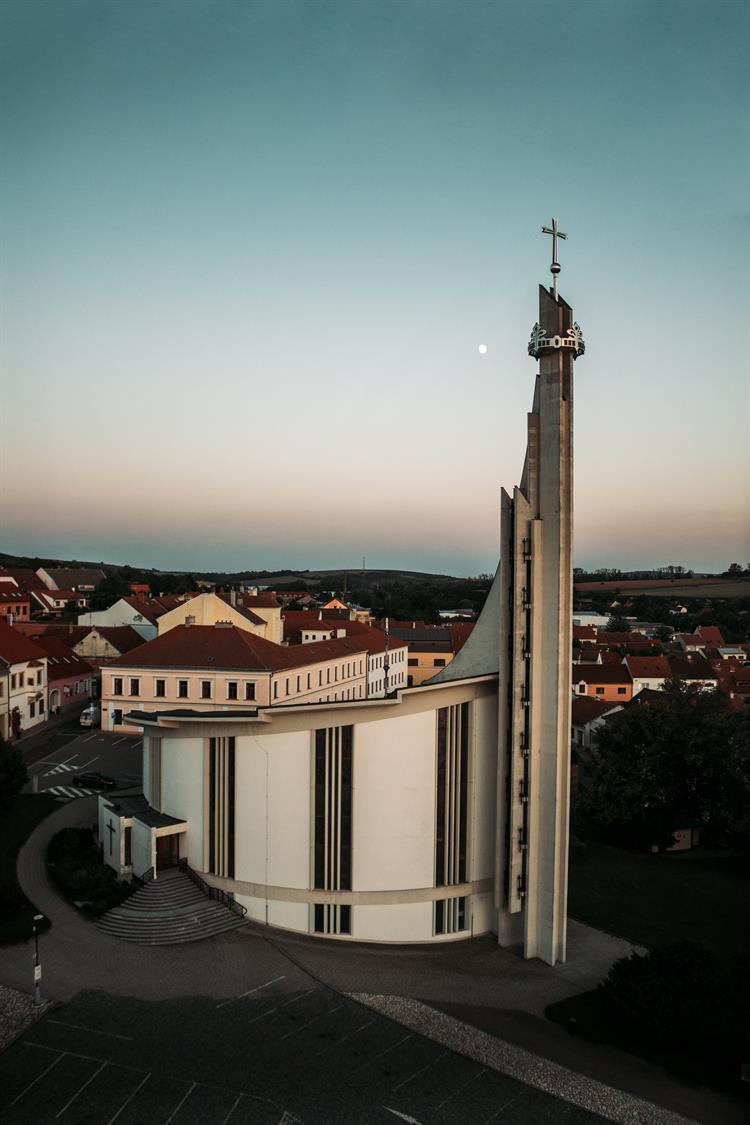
(215, 893)
(146, 877)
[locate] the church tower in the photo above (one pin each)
(525, 634)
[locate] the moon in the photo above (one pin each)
(482, 349)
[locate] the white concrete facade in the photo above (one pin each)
(394, 799)
(121, 613)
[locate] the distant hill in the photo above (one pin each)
(309, 578)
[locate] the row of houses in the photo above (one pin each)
(38, 678)
(612, 667)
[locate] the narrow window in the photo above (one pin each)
(135, 687)
(128, 857)
(205, 689)
(160, 689)
(249, 691)
(116, 686)
(182, 689)
(232, 689)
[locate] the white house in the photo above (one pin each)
(23, 683)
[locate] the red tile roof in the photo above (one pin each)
(711, 634)
(653, 667)
(15, 648)
(62, 661)
(229, 648)
(584, 709)
(693, 666)
(153, 608)
(601, 674)
(10, 593)
(69, 577)
(122, 637)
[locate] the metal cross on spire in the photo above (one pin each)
(555, 267)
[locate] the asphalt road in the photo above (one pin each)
(279, 1055)
(70, 750)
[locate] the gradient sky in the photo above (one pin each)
(249, 251)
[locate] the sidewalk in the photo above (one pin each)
(38, 735)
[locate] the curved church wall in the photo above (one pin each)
(367, 851)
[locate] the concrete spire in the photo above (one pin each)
(525, 634)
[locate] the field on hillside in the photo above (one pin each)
(668, 588)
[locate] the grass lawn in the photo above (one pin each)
(655, 900)
(16, 825)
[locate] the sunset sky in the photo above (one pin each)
(250, 251)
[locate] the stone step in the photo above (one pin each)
(169, 911)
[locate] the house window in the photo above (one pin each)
(299, 683)
(249, 691)
(182, 689)
(41, 706)
(413, 662)
(160, 688)
(128, 847)
(116, 717)
(309, 680)
(13, 682)
(32, 710)
(276, 689)
(581, 687)
(600, 691)
(205, 689)
(621, 691)
(232, 689)
(117, 686)
(135, 687)
(438, 663)
(39, 677)
(287, 685)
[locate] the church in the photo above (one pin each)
(436, 813)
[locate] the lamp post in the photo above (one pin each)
(37, 966)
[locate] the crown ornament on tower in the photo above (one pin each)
(540, 342)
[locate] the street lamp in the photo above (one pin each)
(37, 967)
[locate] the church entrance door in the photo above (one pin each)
(167, 851)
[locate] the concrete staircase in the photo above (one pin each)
(167, 911)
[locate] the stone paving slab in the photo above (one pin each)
(533, 1070)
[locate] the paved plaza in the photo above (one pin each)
(260, 1026)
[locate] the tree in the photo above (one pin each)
(13, 775)
(682, 759)
(618, 625)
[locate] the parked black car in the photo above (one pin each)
(94, 781)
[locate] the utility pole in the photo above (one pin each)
(37, 966)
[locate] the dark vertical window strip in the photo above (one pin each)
(440, 802)
(346, 810)
(212, 806)
(463, 797)
(230, 807)
(320, 807)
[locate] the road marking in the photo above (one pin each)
(494, 1116)
(91, 738)
(86, 765)
(294, 999)
(129, 1099)
(93, 1030)
(180, 1104)
(349, 1036)
(421, 1070)
(69, 791)
(45, 1071)
(458, 1089)
(262, 1014)
(59, 769)
(81, 1089)
(250, 991)
(312, 1021)
(403, 1116)
(119, 740)
(235, 1103)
